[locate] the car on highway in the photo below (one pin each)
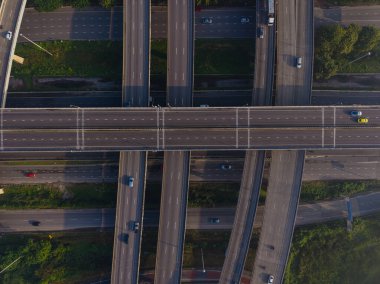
(34, 222)
(9, 35)
(244, 20)
(362, 120)
(130, 182)
(299, 62)
(260, 32)
(356, 113)
(206, 21)
(214, 220)
(226, 167)
(204, 106)
(270, 279)
(30, 174)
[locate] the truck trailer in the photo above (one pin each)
(270, 12)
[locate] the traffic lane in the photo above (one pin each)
(259, 138)
(78, 118)
(364, 137)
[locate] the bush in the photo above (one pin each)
(107, 3)
(80, 3)
(47, 5)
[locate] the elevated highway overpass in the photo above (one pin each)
(116, 129)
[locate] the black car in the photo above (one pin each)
(214, 220)
(34, 223)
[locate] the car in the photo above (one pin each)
(136, 226)
(299, 62)
(31, 175)
(34, 222)
(130, 182)
(270, 279)
(206, 20)
(226, 167)
(260, 32)
(356, 113)
(204, 106)
(244, 20)
(362, 120)
(214, 220)
(125, 238)
(9, 35)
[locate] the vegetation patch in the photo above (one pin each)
(224, 56)
(44, 196)
(67, 257)
(325, 190)
(70, 58)
(346, 49)
(329, 254)
(349, 2)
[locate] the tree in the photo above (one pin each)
(206, 2)
(80, 3)
(47, 5)
(107, 3)
(350, 38)
(369, 37)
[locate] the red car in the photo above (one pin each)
(30, 175)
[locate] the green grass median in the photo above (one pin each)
(327, 253)
(61, 257)
(44, 196)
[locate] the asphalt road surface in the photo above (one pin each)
(293, 86)
(318, 167)
(360, 15)
(175, 180)
(99, 24)
(345, 97)
(198, 218)
(135, 92)
(200, 128)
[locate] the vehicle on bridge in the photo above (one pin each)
(226, 167)
(9, 35)
(130, 182)
(270, 12)
(356, 113)
(362, 120)
(260, 32)
(270, 279)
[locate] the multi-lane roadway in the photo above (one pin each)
(198, 218)
(78, 129)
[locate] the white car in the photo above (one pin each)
(130, 182)
(9, 35)
(244, 20)
(270, 279)
(299, 62)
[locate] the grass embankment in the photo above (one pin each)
(67, 257)
(349, 2)
(45, 196)
(71, 58)
(325, 190)
(329, 254)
